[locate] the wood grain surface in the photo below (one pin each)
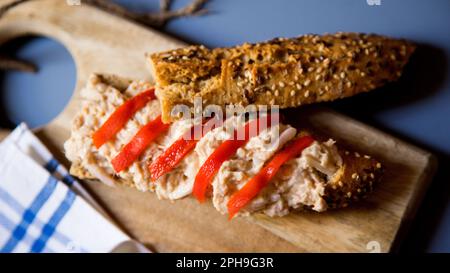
(100, 42)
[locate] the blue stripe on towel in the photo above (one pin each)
(12, 203)
(6, 223)
(39, 224)
(68, 180)
(52, 165)
(51, 225)
(29, 215)
(9, 226)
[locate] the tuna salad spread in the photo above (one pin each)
(118, 138)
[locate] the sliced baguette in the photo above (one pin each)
(284, 72)
(354, 180)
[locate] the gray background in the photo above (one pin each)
(416, 109)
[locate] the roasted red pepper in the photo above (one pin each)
(119, 118)
(178, 150)
(227, 149)
(138, 144)
(254, 186)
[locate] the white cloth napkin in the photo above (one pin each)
(44, 209)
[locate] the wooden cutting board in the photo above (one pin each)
(100, 42)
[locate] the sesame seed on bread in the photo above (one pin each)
(284, 72)
(354, 180)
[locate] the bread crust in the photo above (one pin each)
(284, 72)
(354, 181)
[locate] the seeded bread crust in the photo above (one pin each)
(354, 180)
(284, 72)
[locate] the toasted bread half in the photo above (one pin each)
(283, 72)
(354, 179)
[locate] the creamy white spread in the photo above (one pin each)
(299, 183)
(99, 102)
(179, 182)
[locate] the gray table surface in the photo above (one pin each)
(416, 109)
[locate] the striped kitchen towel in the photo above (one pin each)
(44, 209)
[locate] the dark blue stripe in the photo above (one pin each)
(29, 215)
(68, 180)
(50, 227)
(52, 165)
(9, 226)
(12, 203)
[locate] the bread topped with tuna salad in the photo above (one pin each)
(283, 72)
(118, 115)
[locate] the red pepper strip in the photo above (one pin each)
(227, 149)
(251, 189)
(138, 144)
(177, 151)
(119, 118)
